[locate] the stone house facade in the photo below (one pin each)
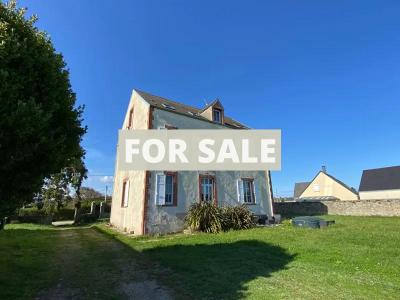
(152, 202)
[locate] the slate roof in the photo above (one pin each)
(380, 179)
(184, 109)
(299, 188)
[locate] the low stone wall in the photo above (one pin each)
(389, 207)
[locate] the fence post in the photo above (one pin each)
(92, 208)
(102, 204)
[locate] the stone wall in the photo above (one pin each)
(389, 207)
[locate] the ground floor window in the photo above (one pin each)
(167, 188)
(207, 188)
(246, 191)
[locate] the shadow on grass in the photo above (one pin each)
(216, 270)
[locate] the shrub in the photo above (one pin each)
(31, 211)
(236, 217)
(204, 216)
(63, 214)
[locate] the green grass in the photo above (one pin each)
(26, 257)
(358, 258)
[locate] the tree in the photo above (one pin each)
(40, 125)
(90, 193)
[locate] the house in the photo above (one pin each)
(382, 183)
(150, 202)
(327, 187)
(299, 188)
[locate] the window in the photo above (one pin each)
(125, 193)
(246, 191)
(168, 106)
(207, 188)
(316, 187)
(130, 120)
(170, 127)
(167, 189)
(217, 115)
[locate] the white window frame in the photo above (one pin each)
(207, 189)
(161, 196)
(242, 194)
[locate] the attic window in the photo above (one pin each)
(168, 106)
(192, 113)
(217, 115)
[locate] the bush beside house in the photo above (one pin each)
(206, 217)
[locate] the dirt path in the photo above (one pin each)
(94, 266)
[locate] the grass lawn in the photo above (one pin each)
(358, 258)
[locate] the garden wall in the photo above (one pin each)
(389, 207)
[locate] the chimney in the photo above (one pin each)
(323, 169)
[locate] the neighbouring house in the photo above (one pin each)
(326, 187)
(299, 188)
(382, 183)
(150, 202)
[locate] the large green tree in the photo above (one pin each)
(40, 125)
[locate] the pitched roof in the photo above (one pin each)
(189, 111)
(334, 179)
(299, 188)
(380, 179)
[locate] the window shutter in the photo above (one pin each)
(160, 190)
(257, 195)
(240, 192)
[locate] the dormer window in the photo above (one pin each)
(217, 115)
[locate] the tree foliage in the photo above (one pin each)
(40, 124)
(90, 193)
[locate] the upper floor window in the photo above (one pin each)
(316, 187)
(125, 193)
(217, 115)
(130, 119)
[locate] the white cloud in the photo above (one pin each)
(106, 179)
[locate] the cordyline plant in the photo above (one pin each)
(40, 125)
(207, 217)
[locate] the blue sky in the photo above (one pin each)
(325, 72)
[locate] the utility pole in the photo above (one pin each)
(105, 195)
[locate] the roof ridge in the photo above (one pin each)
(169, 100)
(232, 122)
